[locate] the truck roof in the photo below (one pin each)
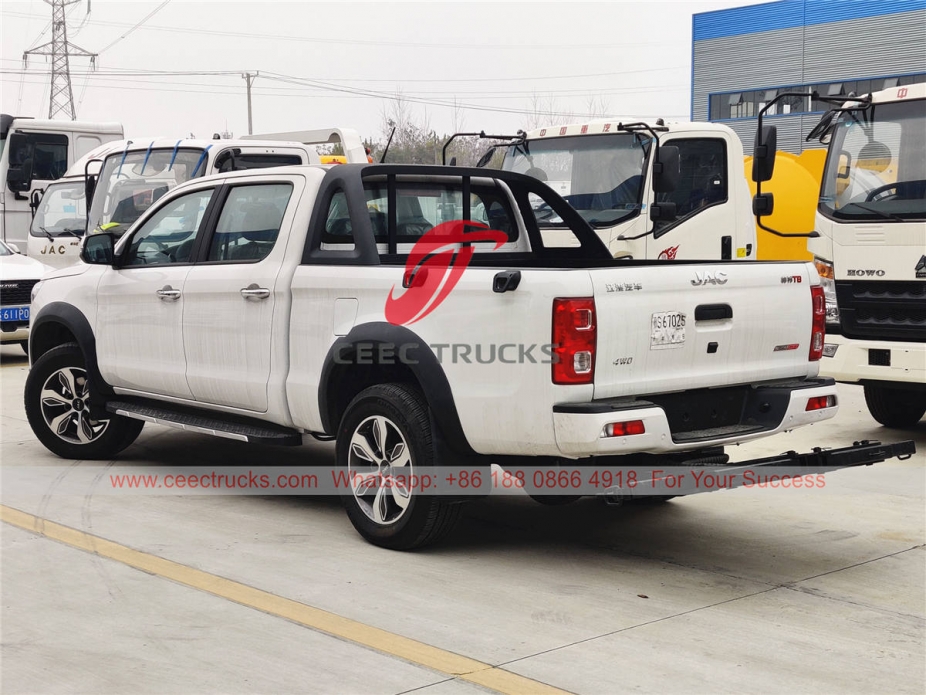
(74, 126)
(610, 125)
(902, 93)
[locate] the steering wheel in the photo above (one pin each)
(876, 193)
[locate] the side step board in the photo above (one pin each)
(255, 433)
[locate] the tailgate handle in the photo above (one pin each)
(506, 281)
(713, 312)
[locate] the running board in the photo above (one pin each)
(257, 433)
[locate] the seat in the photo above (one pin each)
(410, 221)
(259, 229)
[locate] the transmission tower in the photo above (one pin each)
(60, 50)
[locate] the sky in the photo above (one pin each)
(176, 68)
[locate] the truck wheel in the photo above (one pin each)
(892, 407)
(57, 398)
(384, 438)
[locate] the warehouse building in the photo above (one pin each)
(744, 57)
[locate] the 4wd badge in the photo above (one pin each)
(921, 267)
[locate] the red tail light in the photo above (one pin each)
(574, 338)
(818, 331)
(820, 402)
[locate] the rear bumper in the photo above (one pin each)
(769, 409)
(852, 360)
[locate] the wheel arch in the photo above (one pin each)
(59, 323)
(377, 353)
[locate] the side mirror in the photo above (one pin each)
(19, 179)
(666, 169)
(665, 211)
(97, 249)
(763, 159)
(89, 188)
(35, 200)
(763, 204)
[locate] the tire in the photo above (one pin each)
(24, 344)
(57, 397)
(898, 408)
(391, 423)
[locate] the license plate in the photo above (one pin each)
(668, 330)
(14, 313)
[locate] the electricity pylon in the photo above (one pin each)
(60, 50)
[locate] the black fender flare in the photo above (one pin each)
(413, 353)
(71, 318)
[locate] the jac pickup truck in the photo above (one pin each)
(414, 314)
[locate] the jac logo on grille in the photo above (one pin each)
(708, 277)
(864, 273)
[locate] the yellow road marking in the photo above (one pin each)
(332, 624)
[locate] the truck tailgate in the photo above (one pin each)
(679, 327)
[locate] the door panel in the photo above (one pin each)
(230, 299)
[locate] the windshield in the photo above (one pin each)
(130, 183)
(601, 176)
(875, 168)
(62, 212)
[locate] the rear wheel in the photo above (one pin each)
(892, 407)
(57, 400)
(384, 437)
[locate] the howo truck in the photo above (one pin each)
(869, 248)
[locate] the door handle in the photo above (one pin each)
(254, 293)
(168, 294)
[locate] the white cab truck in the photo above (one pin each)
(870, 250)
(124, 178)
(608, 170)
(353, 302)
(32, 154)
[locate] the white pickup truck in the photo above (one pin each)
(354, 302)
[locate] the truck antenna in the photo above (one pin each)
(388, 142)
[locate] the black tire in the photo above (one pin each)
(24, 344)
(104, 438)
(898, 408)
(404, 414)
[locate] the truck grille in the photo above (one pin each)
(16, 292)
(882, 310)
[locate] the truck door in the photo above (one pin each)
(34, 159)
(704, 217)
(231, 296)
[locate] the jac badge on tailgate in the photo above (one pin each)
(708, 277)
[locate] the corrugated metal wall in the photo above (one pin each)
(890, 44)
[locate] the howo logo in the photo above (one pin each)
(864, 273)
(435, 266)
(709, 277)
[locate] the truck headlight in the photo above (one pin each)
(828, 280)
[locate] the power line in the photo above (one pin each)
(136, 26)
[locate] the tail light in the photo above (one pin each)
(820, 402)
(574, 338)
(624, 429)
(818, 330)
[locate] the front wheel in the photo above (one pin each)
(898, 408)
(57, 400)
(384, 439)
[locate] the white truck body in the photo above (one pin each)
(605, 173)
(353, 302)
(872, 253)
(47, 148)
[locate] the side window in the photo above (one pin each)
(168, 236)
(42, 156)
(702, 181)
(250, 222)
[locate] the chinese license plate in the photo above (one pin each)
(668, 330)
(14, 313)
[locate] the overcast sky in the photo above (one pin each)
(326, 64)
